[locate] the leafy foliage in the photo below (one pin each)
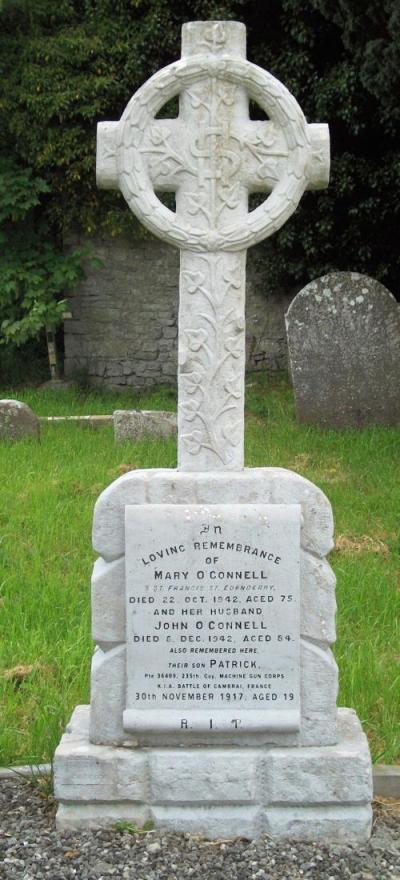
(33, 272)
(66, 66)
(342, 61)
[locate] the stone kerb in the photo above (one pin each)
(265, 485)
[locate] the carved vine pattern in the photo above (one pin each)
(167, 160)
(211, 371)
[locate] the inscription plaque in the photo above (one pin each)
(213, 630)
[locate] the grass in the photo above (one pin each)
(73, 402)
(47, 494)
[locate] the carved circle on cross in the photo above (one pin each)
(279, 105)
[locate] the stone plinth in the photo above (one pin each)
(308, 793)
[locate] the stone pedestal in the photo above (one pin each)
(309, 793)
(308, 779)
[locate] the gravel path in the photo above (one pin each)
(31, 849)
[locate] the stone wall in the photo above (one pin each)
(123, 330)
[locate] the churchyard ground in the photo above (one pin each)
(48, 490)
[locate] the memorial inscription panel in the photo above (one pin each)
(213, 629)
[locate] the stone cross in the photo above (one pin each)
(212, 156)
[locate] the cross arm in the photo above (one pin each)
(319, 167)
(266, 153)
(162, 145)
(167, 155)
(106, 155)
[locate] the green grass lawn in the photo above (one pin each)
(47, 495)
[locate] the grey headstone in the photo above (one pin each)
(344, 346)
(137, 424)
(17, 421)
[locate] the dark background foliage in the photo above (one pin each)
(65, 66)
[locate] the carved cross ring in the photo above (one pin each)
(279, 105)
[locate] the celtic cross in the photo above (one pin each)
(212, 156)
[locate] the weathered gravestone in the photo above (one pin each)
(343, 335)
(17, 421)
(213, 700)
(135, 424)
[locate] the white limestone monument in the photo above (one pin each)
(213, 686)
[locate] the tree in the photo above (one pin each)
(342, 61)
(33, 273)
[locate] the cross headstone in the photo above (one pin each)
(213, 686)
(212, 156)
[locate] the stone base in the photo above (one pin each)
(309, 793)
